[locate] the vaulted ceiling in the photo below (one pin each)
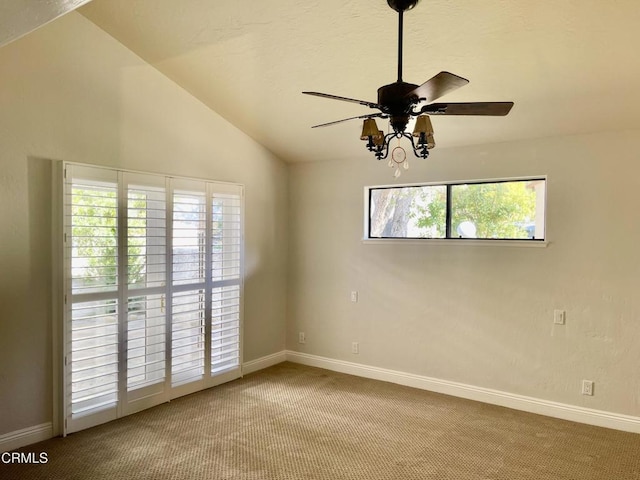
(570, 66)
(20, 17)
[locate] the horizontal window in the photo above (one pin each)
(496, 210)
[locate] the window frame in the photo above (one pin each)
(232, 197)
(449, 239)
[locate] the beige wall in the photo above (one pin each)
(481, 315)
(71, 92)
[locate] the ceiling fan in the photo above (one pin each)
(400, 101)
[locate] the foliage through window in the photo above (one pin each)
(497, 210)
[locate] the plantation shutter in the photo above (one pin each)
(189, 273)
(226, 238)
(92, 304)
(153, 290)
(146, 290)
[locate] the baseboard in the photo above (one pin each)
(548, 408)
(264, 362)
(26, 436)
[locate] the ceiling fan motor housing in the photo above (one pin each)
(395, 97)
(396, 101)
(402, 5)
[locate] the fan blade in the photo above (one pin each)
(437, 86)
(494, 109)
(375, 115)
(344, 99)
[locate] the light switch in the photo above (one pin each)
(559, 317)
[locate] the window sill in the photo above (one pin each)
(459, 242)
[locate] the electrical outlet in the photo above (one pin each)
(355, 348)
(301, 337)
(354, 296)
(559, 317)
(587, 387)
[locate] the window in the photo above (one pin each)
(496, 210)
(153, 290)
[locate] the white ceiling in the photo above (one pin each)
(570, 66)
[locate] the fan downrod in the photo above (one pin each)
(402, 5)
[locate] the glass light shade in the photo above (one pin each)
(378, 139)
(423, 125)
(431, 142)
(369, 129)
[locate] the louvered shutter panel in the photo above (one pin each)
(189, 266)
(226, 230)
(92, 335)
(146, 282)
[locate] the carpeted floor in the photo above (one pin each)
(296, 422)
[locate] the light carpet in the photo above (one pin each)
(296, 422)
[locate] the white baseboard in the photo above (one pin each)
(564, 411)
(264, 362)
(26, 436)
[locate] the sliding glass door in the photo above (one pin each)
(153, 290)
